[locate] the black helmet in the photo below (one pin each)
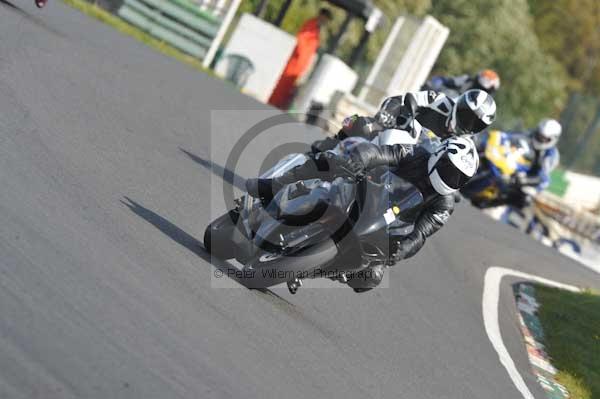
(474, 111)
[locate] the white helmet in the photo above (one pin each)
(546, 134)
(473, 111)
(452, 164)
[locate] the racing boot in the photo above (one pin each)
(261, 188)
(324, 166)
(266, 189)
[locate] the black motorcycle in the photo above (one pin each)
(315, 228)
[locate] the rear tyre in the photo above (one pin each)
(218, 236)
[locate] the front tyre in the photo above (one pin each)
(218, 236)
(269, 269)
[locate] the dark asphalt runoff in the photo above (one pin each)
(106, 291)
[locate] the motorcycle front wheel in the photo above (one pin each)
(268, 269)
(218, 236)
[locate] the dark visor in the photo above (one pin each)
(539, 137)
(450, 174)
(468, 122)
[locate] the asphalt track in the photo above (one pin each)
(106, 292)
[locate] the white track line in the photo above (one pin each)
(491, 297)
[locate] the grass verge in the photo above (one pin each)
(571, 323)
(104, 16)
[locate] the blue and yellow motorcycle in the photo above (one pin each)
(503, 156)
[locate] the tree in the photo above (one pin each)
(570, 30)
(301, 10)
(483, 34)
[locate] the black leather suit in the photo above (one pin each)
(432, 113)
(412, 167)
(409, 164)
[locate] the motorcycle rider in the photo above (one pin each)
(438, 175)
(544, 156)
(435, 111)
(487, 80)
(448, 168)
(544, 138)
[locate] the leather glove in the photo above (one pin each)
(339, 167)
(407, 247)
(516, 180)
(348, 168)
(326, 144)
(262, 188)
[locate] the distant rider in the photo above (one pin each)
(544, 158)
(486, 80)
(543, 138)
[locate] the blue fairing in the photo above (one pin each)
(549, 161)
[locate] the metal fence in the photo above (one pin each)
(194, 27)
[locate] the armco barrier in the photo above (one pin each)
(180, 23)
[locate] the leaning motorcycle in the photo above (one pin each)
(502, 156)
(317, 228)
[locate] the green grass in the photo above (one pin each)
(571, 323)
(104, 16)
(558, 183)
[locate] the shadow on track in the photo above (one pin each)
(227, 175)
(190, 243)
(11, 5)
(32, 18)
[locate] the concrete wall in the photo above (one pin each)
(267, 47)
(583, 191)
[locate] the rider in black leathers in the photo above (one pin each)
(437, 181)
(469, 114)
(432, 110)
